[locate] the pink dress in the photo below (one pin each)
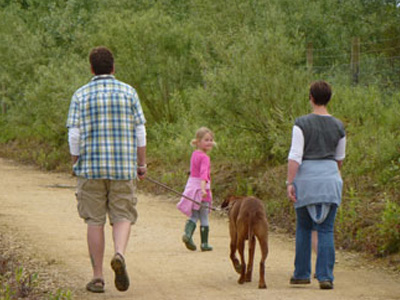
(199, 170)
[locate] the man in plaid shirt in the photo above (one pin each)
(107, 139)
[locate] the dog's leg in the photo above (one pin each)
(240, 246)
(264, 253)
(235, 261)
(252, 248)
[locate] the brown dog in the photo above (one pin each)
(247, 220)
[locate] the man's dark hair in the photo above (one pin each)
(321, 92)
(102, 60)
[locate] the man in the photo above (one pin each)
(107, 139)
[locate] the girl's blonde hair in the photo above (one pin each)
(200, 133)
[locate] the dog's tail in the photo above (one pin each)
(252, 218)
(250, 233)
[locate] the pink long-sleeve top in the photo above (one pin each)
(199, 170)
(200, 165)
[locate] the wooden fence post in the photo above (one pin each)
(355, 60)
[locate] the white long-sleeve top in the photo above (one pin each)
(297, 148)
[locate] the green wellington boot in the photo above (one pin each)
(187, 237)
(204, 238)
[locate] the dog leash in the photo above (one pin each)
(180, 194)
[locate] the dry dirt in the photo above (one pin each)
(39, 210)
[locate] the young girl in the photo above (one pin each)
(198, 189)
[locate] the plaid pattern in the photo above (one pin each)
(106, 111)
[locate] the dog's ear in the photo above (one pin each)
(229, 200)
(225, 203)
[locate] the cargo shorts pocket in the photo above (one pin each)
(122, 201)
(92, 200)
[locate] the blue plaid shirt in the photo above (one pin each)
(106, 111)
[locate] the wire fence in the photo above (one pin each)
(368, 63)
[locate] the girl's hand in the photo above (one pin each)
(291, 193)
(203, 193)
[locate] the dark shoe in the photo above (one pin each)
(326, 285)
(187, 237)
(299, 281)
(121, 275)
(96, 285)
(204, 238)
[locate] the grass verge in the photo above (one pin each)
(22, 277)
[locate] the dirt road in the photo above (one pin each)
(40, 209)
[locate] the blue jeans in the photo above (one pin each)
(326, 245)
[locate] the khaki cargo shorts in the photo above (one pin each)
(98, 198)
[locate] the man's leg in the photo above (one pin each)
(121, 232)
(122, 212)
(92, 197)
(95, 239)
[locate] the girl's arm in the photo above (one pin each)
(203, 189)
(204, 171)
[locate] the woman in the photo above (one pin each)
(314, 185)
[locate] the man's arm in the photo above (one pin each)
(142, 167)
(74, 158)
(73, 140)
(141, 151)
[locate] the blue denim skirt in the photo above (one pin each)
(318, 182)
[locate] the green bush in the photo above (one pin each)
(389, 228)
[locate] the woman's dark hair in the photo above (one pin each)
(102, 60)
(321, 92)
